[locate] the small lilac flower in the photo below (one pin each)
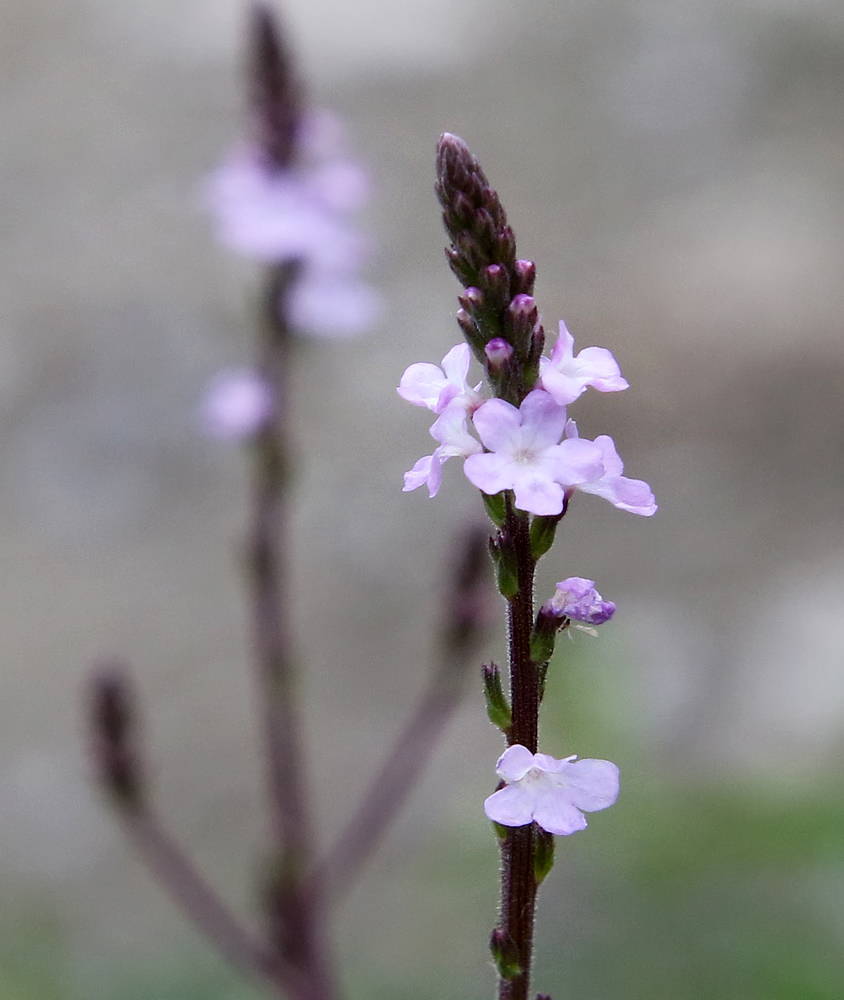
(455, 442)
(436, 387)
(633, 495)
(498, 353)
(276, 215)
(566, 377)
(237, 404)
(552, 793)
(525, 454)
(577, 598)
(332, 304)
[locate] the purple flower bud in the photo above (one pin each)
(525, 276)
(498, 353)
(577, 598)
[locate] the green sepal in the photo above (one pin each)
(542, 531)
(501, 832)
(542, 646)
(543, 855)
(497, 707)
(505, 954)
(496, 508)
(507, 579)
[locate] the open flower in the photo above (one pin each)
(237, 405)
(552, 793)
(566, 377)
(525, 454)
(455, 442)
(435, 387)
(633, 495)
(577, 598)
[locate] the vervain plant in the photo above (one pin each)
(287, 199)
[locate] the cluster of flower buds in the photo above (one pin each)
(523, 439)
(289, 196)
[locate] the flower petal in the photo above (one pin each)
(514, 763)
(510, 806)
(591, 784)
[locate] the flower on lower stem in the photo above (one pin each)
(552, 793)
(525, 453)
(577, 598)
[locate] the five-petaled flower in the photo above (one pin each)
(552, 793)
(566, 377)
(525, 454)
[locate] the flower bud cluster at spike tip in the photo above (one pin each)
(482, 255)
(289, 194)
(275, 98)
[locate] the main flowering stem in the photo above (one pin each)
(518, 882)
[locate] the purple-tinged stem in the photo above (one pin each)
(518, 882)
(463, 619)
(189, 890)
(294, 904)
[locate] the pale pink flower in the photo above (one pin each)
(436, 388)
(237, 405)
(455, 441)
(632, 495)
(565, 376)
(273, 215)
(525, 454)
(332, 304)
(552, 793)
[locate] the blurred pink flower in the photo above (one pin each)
(237, 404)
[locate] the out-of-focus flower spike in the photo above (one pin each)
(274, 92)
(466, 599)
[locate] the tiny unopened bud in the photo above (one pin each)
(496, 283)
(498, 353)
(524, 276)
(506, 564)
(497, 707)
(505, 954)
(113, 731)
(472, 300)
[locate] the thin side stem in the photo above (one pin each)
(295, 908)
(201, 904)
(392, 785)
(518, 883)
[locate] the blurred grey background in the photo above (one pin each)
(676, 168)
